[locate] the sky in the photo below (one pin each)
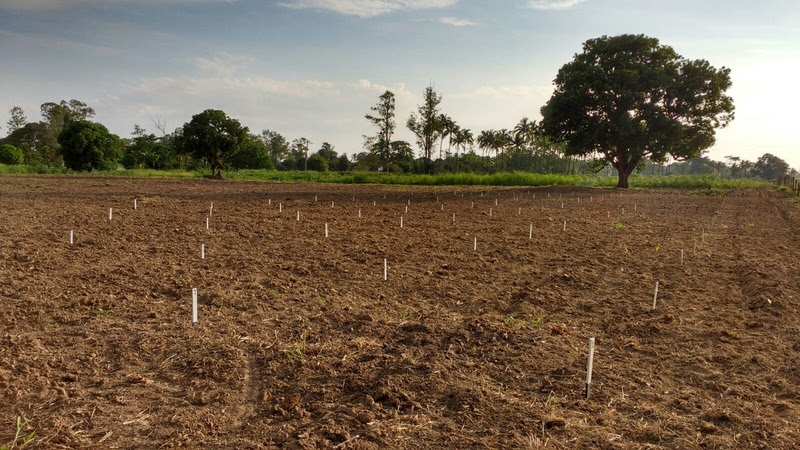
(313, 68)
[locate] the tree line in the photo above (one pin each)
(626, 103)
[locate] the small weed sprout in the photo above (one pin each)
(532, 319)
(617, 225)
(20, 439)
(295, 352)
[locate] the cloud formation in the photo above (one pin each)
(456, 22)
(367, 8)
(553, 4)
(36, 5)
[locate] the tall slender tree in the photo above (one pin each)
(17, 120)
(383, 118)
(426, 127)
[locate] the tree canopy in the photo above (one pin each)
(628, 97)
(89, 146)
(213, 136)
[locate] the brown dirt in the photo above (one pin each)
(301, 344)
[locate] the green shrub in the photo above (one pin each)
(317, 163)
(11, 155)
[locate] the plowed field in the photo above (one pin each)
(478, 337)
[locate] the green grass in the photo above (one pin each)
(700, 182)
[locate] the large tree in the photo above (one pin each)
(628, 97)
(770, 167)
(383, 118)
(213, 136)
(427, 127)
(89, 146)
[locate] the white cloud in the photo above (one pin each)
(456, 22)
(35, 5)
(554, 4)
(367, 8)
(222, 63)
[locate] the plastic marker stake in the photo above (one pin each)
(655, 296)
(681, 256)
(490, 212)
(206, 223)
(475, 244)
(385, 270)
(401, 221)
(565, 225)
(359, 213)
(280, 207)
(298, 216)
(530, 232)
(589, 363)
(71, 237)
(194, 306)
(110, 213)
(315, 198)
(326, 231)
(211, 209)
(406, 209)
(135, 206)
(332, 203)
(454, 217)
(202, 251)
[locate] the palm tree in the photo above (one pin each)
(446, 127)
(503, 140)
(462, 138)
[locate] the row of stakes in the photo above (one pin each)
(590, 357)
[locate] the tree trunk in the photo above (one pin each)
(216, 174)
(623, 179)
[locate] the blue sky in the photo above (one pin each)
(313, 68)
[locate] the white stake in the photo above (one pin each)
(202, 251)
(565, 225)
(471, 204)
(315, 198)
(71, 237)
(326, 231)
(206, 223)
(406, 209)
(135, 205)
(562, 205)
(359, 213)
(655, 296)
(401, 221)
(530, 232)
(519, 211)
(194, 306)
(373, 203)
(442, 206)
(475, 244)
(280, 207)
(589, 364)
(298, 216)
(211, 209)
(331, 203)
(385, 270)
(269, 202)
(454, 217)
(681, 256)
(495, 202)
(110, 213)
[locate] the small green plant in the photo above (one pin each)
(20, 439)
(617, 225)
(102, 312)
(295, 352)
(533, 319)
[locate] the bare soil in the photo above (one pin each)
(302, 344)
